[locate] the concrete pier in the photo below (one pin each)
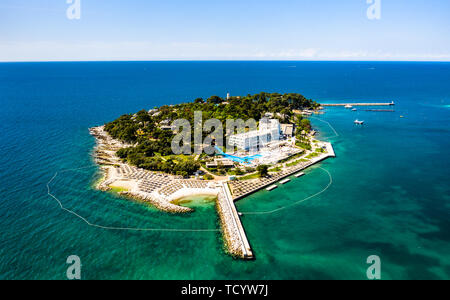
(235, 236)
(359, 104)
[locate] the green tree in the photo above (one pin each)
(305, 125)
(214, 100)
(208, 177)
(263, 170)
(143, 117)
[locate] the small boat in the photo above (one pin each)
(348, 106)
(299, 174)
(354, 109)
(285, 181)
(358, 122)
(271, 188)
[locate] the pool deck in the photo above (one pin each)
(242, 160)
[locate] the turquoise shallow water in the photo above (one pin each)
(389, 196)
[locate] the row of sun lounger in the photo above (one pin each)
(180, 184)
(241, 188)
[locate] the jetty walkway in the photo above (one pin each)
(358, 104)
(236, 237)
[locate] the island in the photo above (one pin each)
(136, 154)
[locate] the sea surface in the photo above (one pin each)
(388, 192)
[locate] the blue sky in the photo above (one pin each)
(39, 30)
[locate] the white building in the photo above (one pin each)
(269, 131)
(288, 130)
(272, 125)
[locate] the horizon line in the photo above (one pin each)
(226, 60)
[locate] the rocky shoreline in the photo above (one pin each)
(169, 188)
(105, 157)
(161, 190)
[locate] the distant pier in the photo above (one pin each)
(381, 110)
(359, 104)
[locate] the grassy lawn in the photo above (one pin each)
(291, 157)
(276, 170)
(235, 172)
(296, 162)
(249, 177)
(116, 189)
(312, 155)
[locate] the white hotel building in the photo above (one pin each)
(269, 131)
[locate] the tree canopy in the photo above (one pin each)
(263, 170)
(150, 141)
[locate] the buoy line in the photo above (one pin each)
(328, 123)
(85, 220)
(295, 203)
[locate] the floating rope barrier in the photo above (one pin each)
(328, 123)
(85, 220)
(295, 203)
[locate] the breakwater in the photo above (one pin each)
(359, 104)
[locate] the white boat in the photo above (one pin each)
(354, 109)
(358, 122)
(348, 106)
(271, 188)
(299, 174)
(285, 181)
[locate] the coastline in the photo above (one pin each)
(163, 190)
(105, 157)
(118, 174)
(389, 190)
(242, 189)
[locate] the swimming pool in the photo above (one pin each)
(242, 160)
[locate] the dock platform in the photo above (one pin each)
(285, 181)
(271, 188)
(359, 104)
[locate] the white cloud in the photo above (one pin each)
(53, 51)
(308, 53)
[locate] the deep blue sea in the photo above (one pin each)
(389, 196)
